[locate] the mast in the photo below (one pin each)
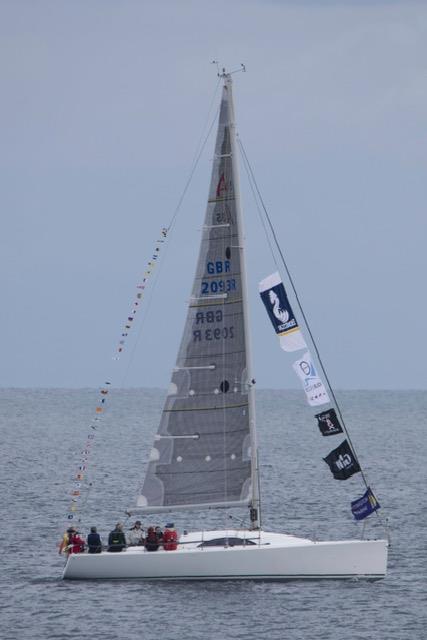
(255, 501)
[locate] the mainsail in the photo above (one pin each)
(203, 455)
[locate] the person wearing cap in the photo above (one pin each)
(135, 535)
(94, 541)
(170, 537)
(116, 539)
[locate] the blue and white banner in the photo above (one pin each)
(280, 312)
(313, 386)
(364, 506)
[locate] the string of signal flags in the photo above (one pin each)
(78, 481)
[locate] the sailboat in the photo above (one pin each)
(205, 452)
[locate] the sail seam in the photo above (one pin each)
(231, 406)
(213, 200)
(232, 235)
(214, 355)
(210, 491)
(228, 274)
(214, 303)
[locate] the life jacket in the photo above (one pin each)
(170, 539)
(116, 538)
(77, 544)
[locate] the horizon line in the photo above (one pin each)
(94, 388)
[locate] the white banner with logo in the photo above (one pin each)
(312, 384)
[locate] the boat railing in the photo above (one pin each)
(364, 530)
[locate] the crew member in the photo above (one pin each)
(151, 541)
(76, 544)
(135, 535)
(116, 539)
(170, 538)
(66, 539)
(94, 541)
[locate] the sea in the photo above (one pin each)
(43, 434)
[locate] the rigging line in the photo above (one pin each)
(199, 150)
(207, 119)
(196, 159)
(144, 315)
(169, 228)
(258, 208)
(190, 177)
(276, 242)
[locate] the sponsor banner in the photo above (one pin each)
(328, 423)
(342, 462)
(364, 506)
(313, 386)
(280, 312)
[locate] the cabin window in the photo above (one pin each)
(227, 542)
(228, 253)
(224, 386)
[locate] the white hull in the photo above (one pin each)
(273, 557)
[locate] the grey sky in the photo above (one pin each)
(102, 105)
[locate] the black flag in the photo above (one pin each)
(328, 422)
(342, 462)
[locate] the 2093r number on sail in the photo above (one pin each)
(219, 286)
(213, 334)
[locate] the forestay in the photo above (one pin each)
(202, 452)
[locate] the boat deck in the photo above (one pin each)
(202, 540)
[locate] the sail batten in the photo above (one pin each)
(219, 408)
(210, 400)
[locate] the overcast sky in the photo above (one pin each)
(102, 105)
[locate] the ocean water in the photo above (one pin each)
(42, 435)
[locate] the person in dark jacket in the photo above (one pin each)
(117, 539)
(151, 540)
(94, 541)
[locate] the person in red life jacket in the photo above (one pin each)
(65, 545)
(170, 538)
(76, 544)
(151, 540)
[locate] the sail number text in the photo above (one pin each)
(218, 286)
(217, 333)
(221, 286)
